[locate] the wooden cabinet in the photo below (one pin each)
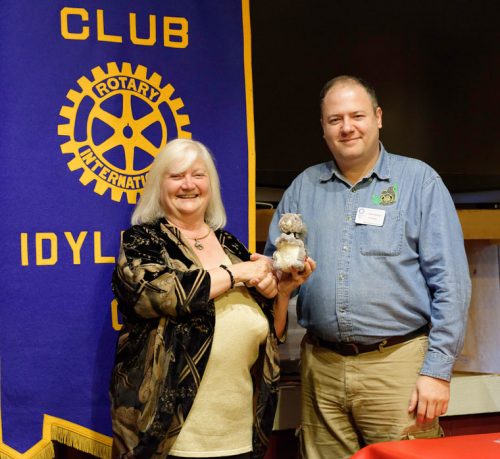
(480, 224)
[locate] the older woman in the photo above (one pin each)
(196, 367)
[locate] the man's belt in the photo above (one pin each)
(347, 349)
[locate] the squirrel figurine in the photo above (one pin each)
(290, 249)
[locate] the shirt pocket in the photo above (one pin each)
(386, 240)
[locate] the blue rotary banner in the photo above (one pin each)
(90, 90)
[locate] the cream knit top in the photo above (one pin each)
(220, 420)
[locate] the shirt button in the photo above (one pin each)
(341, 277)
(349, 218)
(345, 248)
(353, 190)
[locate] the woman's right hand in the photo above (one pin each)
(257, 272)
(253, 271)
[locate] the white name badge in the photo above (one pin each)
(367, 216)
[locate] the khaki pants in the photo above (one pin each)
(349, 402)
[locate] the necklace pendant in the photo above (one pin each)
(197, 244)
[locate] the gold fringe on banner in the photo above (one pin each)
(65, 432)
(81, 442)
(78, 437)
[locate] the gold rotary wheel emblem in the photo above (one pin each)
(116, 126)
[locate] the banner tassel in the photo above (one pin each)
(80, 442)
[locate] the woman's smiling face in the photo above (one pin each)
(186, 194)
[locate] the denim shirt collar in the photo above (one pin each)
(330, 170)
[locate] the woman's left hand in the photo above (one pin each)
(288, 282)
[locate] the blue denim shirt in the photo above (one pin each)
(374, 282)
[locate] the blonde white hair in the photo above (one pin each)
(176, 157)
